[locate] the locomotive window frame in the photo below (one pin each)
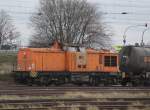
(107, 60)
(110, 61)
(113, 60)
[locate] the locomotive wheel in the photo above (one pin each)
(96, 81)
(29, 81)
(80, 83)
(63, 80)
(138, 82)
(134, 83)
(66, 80)
(146, 83)
(106, 83)
(93, 81)
(43, 81)
(90, 80)
(57, 83)
(124, 82)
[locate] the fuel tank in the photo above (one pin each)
(135, 59)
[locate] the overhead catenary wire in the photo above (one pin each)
(102, 5)
(125, 14)
(104, 13)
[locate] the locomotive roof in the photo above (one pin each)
(57, 48)
(60, 50)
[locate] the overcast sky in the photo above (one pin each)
(138, 14)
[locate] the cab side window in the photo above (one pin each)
(110, 61)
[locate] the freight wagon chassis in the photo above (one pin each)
(58, 78)
(136, 79)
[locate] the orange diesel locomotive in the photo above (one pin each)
(70, 64)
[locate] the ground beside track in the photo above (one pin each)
(70, 97)
(7, 64)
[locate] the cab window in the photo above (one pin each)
(110, 61)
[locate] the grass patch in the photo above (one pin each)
(90, 107)
(8, 106)
(8, 57)
(6, 77)
(7, 61)
(78, 95)
(106, 95)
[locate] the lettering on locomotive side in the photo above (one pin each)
(147, 59)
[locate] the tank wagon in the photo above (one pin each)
(74, 64)
(135, 63)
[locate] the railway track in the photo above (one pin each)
(50, 91)
(21, 97)
(80, 103)
(11, 85)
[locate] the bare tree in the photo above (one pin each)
(8, 32)
(68, 22)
